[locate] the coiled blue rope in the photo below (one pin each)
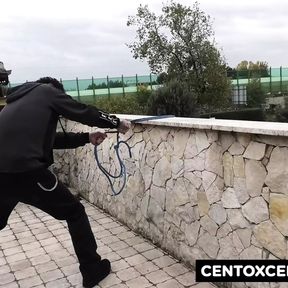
(122, 172)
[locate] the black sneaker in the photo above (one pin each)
(101, 270)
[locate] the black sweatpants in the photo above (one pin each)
(59, 203)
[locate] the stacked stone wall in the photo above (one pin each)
(198, 193)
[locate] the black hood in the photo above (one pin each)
(17, 92)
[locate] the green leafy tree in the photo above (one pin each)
(180, 43)
(255, 93)
(248, 69)
(112, 84)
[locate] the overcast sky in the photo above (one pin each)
(71, 38)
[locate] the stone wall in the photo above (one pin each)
(199, 191)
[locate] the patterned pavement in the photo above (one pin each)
(36, 251)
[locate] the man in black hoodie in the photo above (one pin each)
(27, 136)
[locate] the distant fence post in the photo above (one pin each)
(270, 80)
(281, 83)
(238, 86)
(78, 92)
(108, 86)
(93, 87)
(123, 87)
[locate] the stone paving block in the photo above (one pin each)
(60, 231)
(128, 274)
(164, 261)
(39, 230)
(104, 220)
(66, 261)
(146, 267)
(59, 283)
(66, 243)
(51, 275)
(20, 265)
(6, 232)
(187, 278)
(24, 234)
(55, 227)
(30, 282)
(153, 254)
(2, 261)
(109, 281)
(9, 244)
(64, 237)
(96, 228)
(109, 239)
(6, 278)
(171, 283)
(104, 250)
(125, 235)
(75, 279)
(111, 225)
(45, 267)
(53, 247)
(176, 269)
(142, 247)
(4, 269)
(6, 239)
(119, 286)
(13, 250)
(34, 253)
(113, 256)
(49, 241)
(10, 285)
(140, 282)
(205, 285)
(116, 246)
(71, 269)
(135, 260)
(40, 259)
(127, 252)
(117, 230)
(102, 234)
(44, 235)
(59, 254)
(26, 240)
(25, 273)
(16, 257)
(31, 246)
(119, 265)
(158, 276)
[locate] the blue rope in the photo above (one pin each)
(122, 173)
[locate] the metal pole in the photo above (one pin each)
(78, 88)
(238, 87)
(281, 82)
(270, 80)
(93, 87)
(108, 86)
(151, 81)
(137, 82)
(123, 86)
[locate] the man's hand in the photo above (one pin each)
(96, 138)
(124, 126)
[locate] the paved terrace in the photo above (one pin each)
(36, 251)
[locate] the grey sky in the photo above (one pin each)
(87, 38)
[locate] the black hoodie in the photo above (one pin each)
(28, 126)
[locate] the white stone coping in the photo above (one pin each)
(253, 127)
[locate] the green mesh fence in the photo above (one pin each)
(274, 81)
